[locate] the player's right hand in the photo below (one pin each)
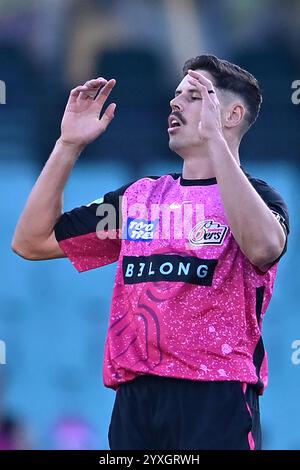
(81, 122)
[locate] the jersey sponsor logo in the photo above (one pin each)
(208, 232)
(172, 268)
(140, 229)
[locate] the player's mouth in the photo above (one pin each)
(174, 124)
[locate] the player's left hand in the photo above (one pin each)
(210, 125)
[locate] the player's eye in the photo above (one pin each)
(193, 98)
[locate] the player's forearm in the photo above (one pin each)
(44, 204)
(256, 230)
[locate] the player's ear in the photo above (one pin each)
(233, 115)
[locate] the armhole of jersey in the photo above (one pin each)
(260, 186)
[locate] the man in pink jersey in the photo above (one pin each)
(197, 255)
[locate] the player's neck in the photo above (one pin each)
(198, 165)
(197, 168)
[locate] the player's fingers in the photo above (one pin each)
(107, 116)
(95, 83)
(205, 95)
(74, 93)
(206, 82)
(92, 87)
(202, 79)
(105, 92)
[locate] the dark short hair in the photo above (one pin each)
(231, 77)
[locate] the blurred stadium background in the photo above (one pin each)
(53, 320)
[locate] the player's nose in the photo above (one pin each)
(175, 104)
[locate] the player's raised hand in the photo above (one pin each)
(81, 122)
(210, 124)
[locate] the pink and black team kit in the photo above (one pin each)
(184, 348)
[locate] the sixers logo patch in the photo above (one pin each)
(208, 232)
(140, 229)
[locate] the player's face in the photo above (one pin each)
(185, 116)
